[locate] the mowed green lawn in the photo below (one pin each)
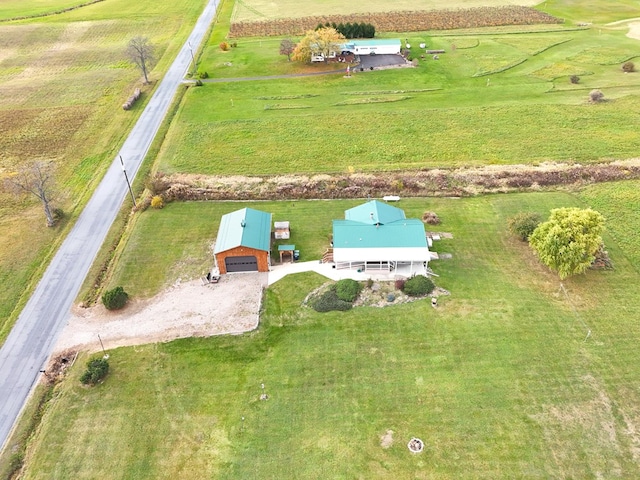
(491, 99)
(500, 381)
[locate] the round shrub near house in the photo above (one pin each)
(348, 289)
(115, 299)
(523, 224)
(157, 202)
(329, 301)
(418, 286)
(97, 369)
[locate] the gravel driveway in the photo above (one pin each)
(188, 309)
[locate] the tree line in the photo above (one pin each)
(351, 30)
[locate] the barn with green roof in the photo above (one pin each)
(376, 236)
(244, 242)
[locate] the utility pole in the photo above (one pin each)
(193, 60)
(126, 177)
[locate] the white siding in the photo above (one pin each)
(409, 254)
(378, 49)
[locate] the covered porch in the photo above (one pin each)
(406, 268)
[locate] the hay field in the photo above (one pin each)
(255, 10)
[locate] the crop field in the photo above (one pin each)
(481, 103)
(63, 80)
(256, 10)
(500, 380)
(405, 21)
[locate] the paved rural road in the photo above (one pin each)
(33, 337)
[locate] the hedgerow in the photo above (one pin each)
(436, 182)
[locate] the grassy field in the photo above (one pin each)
(20, 8)
(63, 80)
(592, 11)
(499, 381)
(481, 103)
(256, 10)
(619, 203)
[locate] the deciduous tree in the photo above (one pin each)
(322, 41)
(567, 243)
(36, 179)
(140, 53)
(287, 47)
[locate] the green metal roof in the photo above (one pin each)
(244, 228)
(400, 234)
(375, 212)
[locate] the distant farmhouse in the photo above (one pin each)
(376, 236)
(364, 47)
(244, 242)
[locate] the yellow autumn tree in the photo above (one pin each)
(323, 41)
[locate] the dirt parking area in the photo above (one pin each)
(186, 309)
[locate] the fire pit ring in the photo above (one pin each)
(415, 445)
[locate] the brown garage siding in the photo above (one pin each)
(261, 256)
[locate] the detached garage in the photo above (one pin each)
(244, 242)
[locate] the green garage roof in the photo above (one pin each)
(244, 228)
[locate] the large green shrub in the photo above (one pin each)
(568, 242)
(329, 301)
(523, 224)
(97, 369)
(348, 289)
(418, 286)
(115, 299)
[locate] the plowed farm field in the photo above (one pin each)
(257, 10)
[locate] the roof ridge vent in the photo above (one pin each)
(243, 223)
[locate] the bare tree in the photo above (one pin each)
(36, 179)
(286, 47)
(140, 53)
